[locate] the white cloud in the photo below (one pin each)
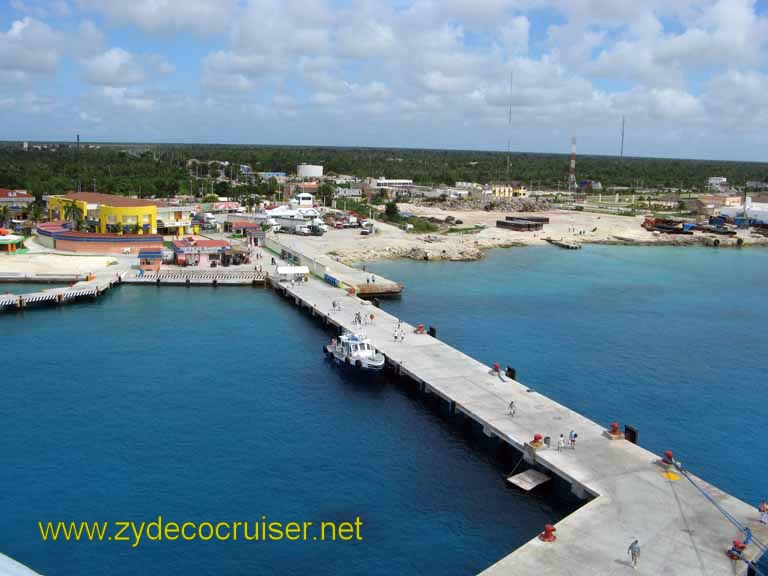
(123, 97)
(514, 35)
(29, 47)
(200, 16)
(115, 67)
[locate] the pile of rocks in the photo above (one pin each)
(497, 204)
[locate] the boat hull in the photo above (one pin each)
(375, 364)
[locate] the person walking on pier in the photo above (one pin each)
(764, 512)
(560, 443)
(512, 408)
(572, 439)
(634, 552)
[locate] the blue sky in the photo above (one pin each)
(690, 77)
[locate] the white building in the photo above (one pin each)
(393, 183)
(303, 200)
(348, 193)
(309, 171)
(717, 182)
(469, 185)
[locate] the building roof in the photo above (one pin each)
(108, 199)
(19, 194)
(245, 224)
(184, 243)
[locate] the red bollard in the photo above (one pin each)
(549, 533)
(736, 550)
(537, 439)
(669, 458)
(615, 428)
(496, 367)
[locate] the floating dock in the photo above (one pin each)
(627, 493)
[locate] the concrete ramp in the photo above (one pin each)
(528, 480)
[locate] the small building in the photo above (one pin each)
(348, 193)
(150, 259)
(303, 200)
(197, 252)
(309, 171)
(717, 182)
(17, 201)
(10, 243)
(509, 190)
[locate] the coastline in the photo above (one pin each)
(582, 228)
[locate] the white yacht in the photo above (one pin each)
(355, 350)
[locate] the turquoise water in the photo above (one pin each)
(24, 288)
(669, 340)
(215, 404)
(206, 404)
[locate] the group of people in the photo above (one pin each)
(370, 279)
(763, 512)
(570, 441)
(399, 334)
(361, 319)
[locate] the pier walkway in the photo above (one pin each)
(629, 496)
(89, 288)
(206, 277)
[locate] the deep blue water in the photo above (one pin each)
(670, 340)
(217, 405)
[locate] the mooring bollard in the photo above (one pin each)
(549, 533)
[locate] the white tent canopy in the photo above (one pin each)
(292, 270)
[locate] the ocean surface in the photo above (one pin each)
(25, 288)
(217, 405)
(203, 404)
(670, 340)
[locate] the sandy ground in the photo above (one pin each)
(580, 227)
(35, 263)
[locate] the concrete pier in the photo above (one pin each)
(629, 495)
(197, 277)
(89, 288)
(9, 567)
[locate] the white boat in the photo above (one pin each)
(355, 350)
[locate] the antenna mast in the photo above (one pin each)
(509, 125)
(572, 167)
(621, 155)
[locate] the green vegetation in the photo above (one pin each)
(164, 170)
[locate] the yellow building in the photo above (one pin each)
(509, 190)
(107, 213)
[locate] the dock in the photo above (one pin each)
(627, 494)
(90, 288)
(197, 278)
(563, 244)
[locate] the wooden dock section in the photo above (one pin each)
(564, 244)
(628, 494)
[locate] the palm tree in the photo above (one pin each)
(72, 212)
(35, 212)
(4, 214)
